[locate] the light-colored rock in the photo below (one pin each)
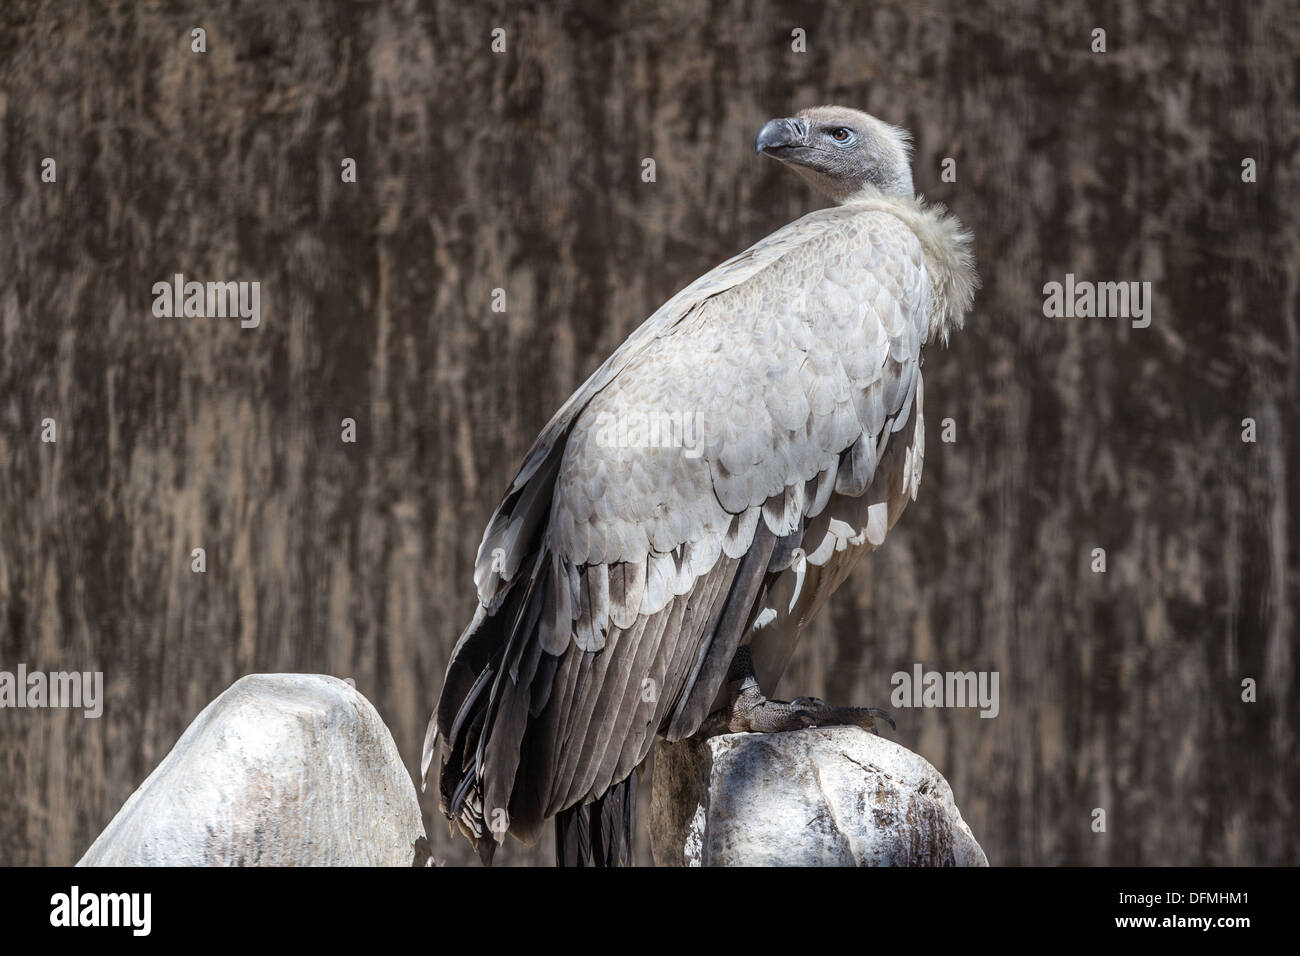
(280, 770)
(832, 796)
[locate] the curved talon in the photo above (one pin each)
(883, 714)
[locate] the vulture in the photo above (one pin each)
(635, 589)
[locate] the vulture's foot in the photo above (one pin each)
(748, 711)
(828, 715)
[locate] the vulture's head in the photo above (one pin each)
(840, 151)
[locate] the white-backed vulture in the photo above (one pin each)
(630, 586)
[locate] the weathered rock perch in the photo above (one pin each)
(834, 796)
(280, 770)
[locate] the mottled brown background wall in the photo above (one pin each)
(522, 171)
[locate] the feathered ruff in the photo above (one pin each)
(948, 256)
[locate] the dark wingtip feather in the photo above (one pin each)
(600, 833)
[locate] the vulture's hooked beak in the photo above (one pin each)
(781, 134)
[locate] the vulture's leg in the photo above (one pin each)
(748, 711)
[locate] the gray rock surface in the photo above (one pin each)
(834, 796)
(280, 770)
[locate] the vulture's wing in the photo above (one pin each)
(618, 576)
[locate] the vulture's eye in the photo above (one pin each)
(842, 136)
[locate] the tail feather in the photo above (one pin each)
(600, 833)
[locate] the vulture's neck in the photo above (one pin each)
(948, 257)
